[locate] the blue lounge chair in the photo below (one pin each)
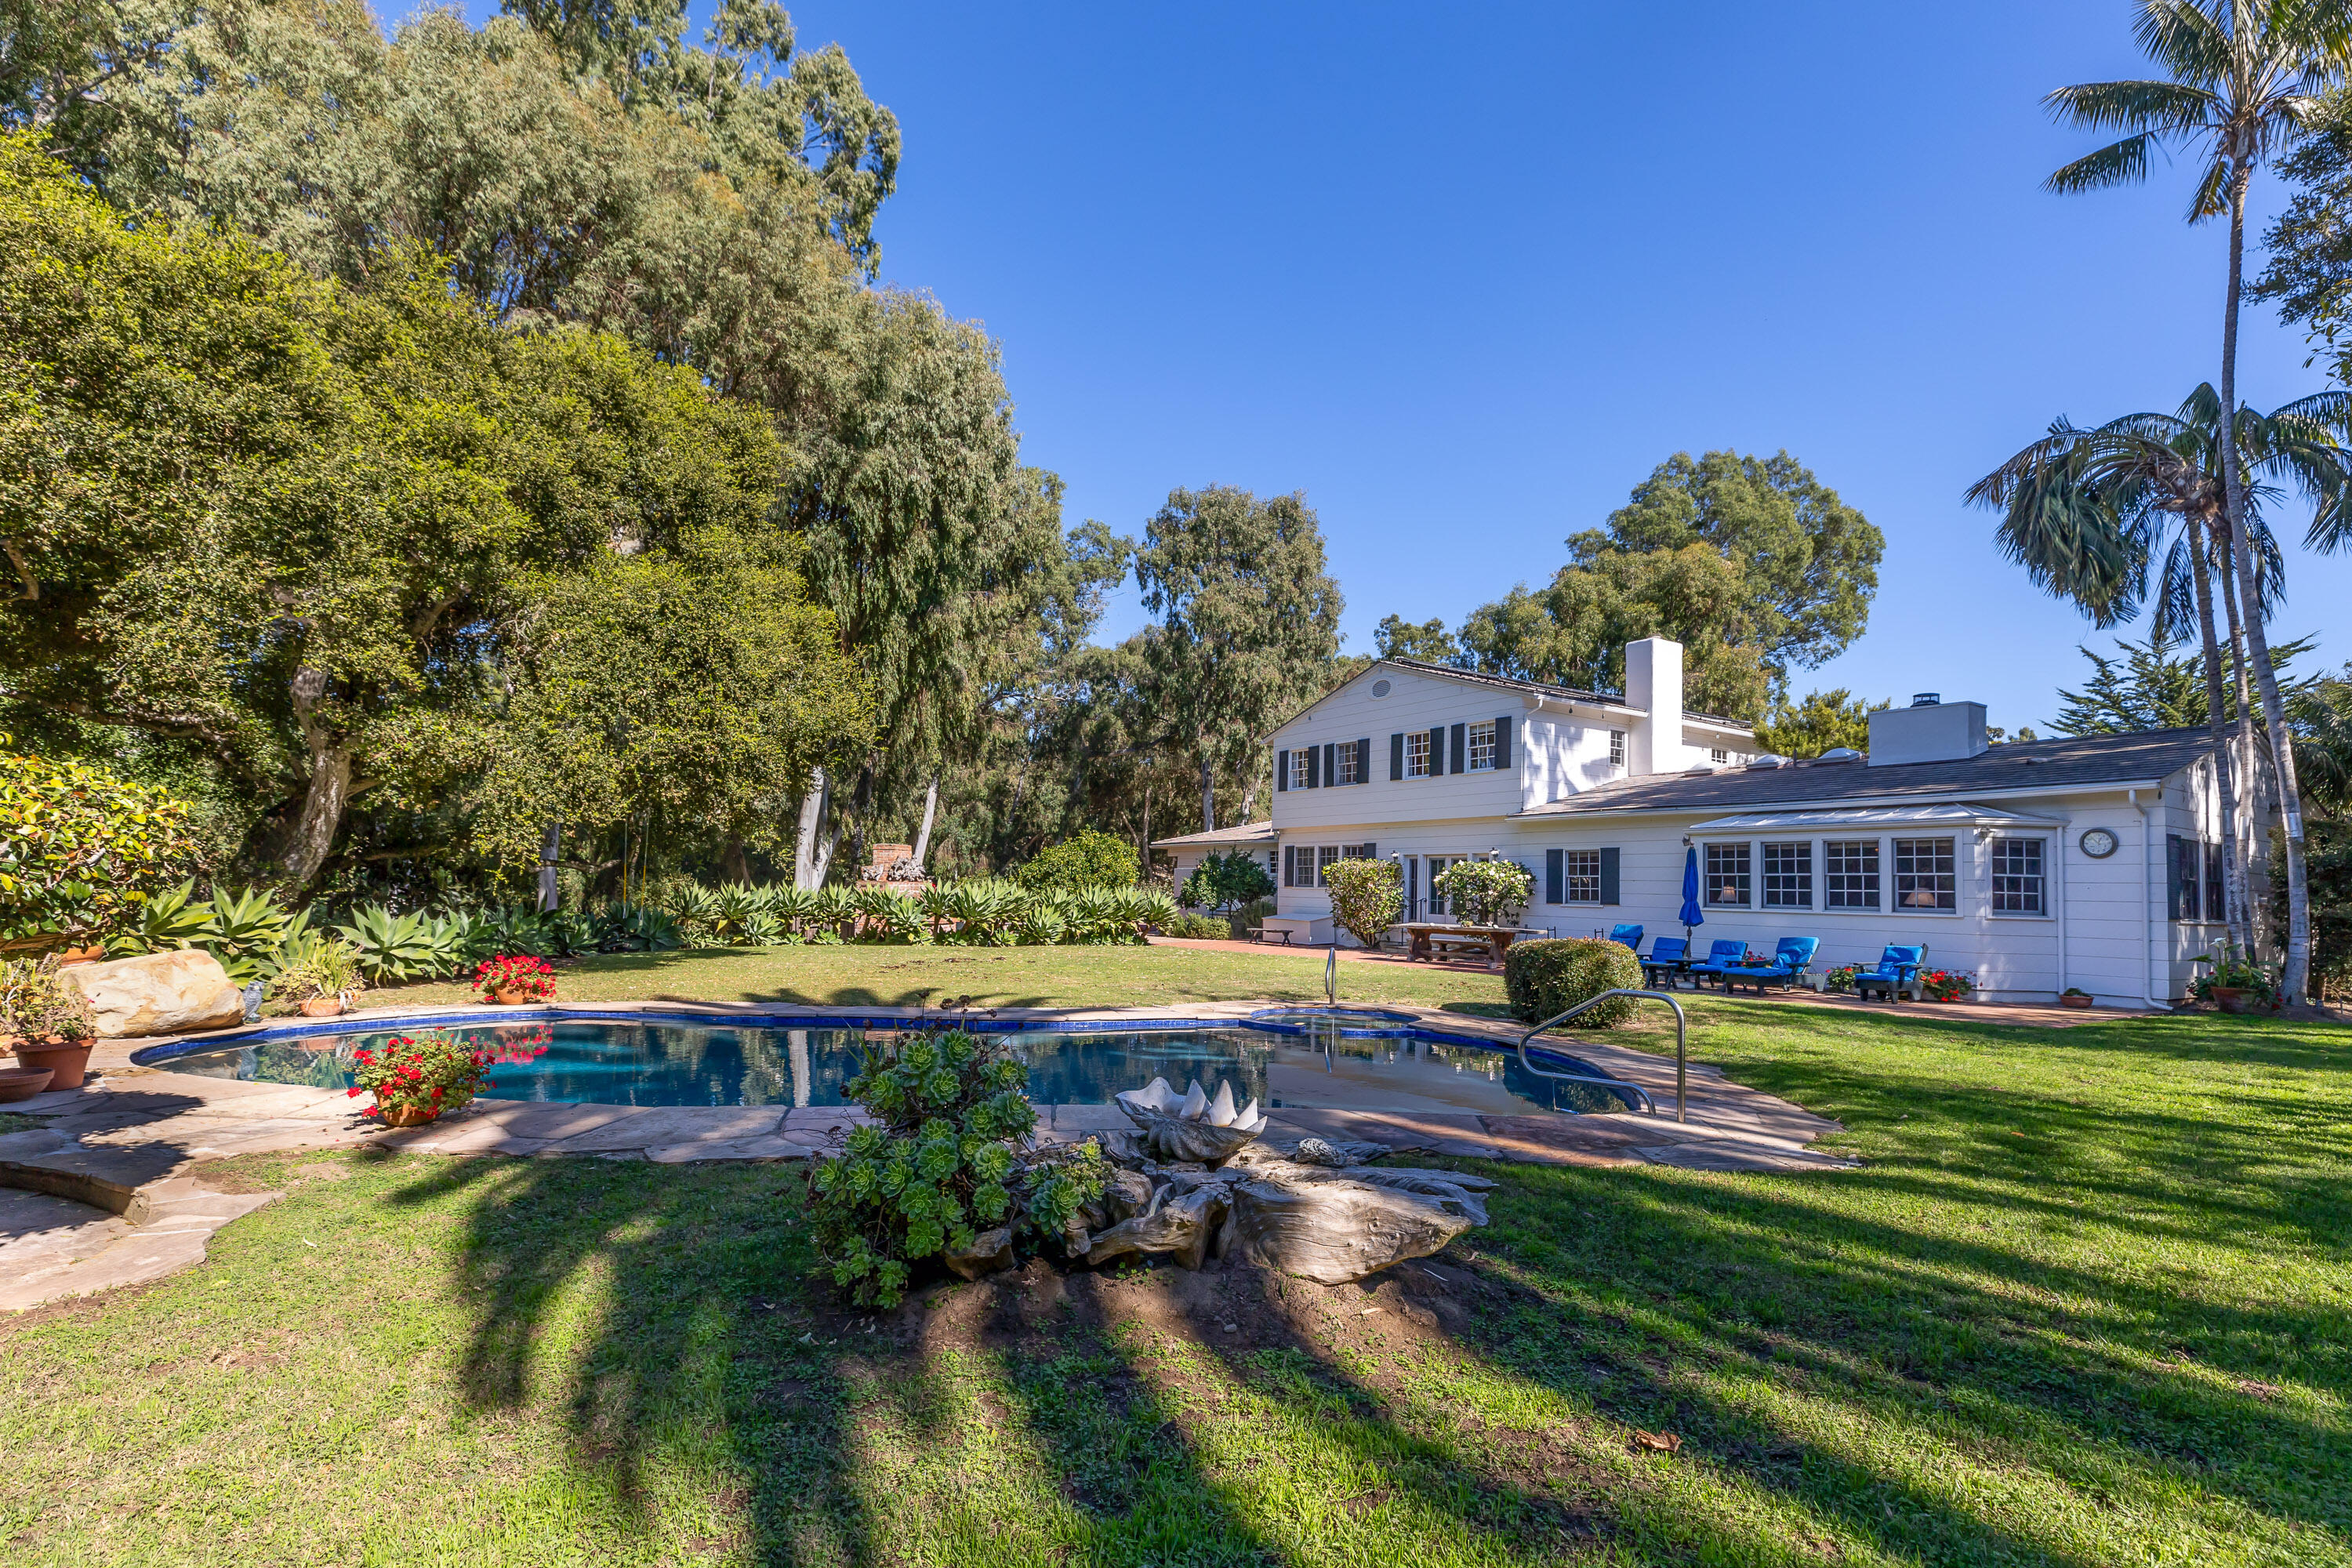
(1630, 935)
(1899, 969)
(1791, 959)
(1669, 956)
(1726, 951)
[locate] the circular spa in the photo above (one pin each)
(1301, 1058)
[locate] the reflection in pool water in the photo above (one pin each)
(1298, 1063)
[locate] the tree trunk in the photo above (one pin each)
(550, 847)
(2254, 844)
(931, 813)
(734, 866)
(329, 789)
(2233, 911)
(2294, 983)
(1208, 794)
(813, 856)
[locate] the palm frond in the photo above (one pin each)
(2189, 40)
(2158, 106)
(2123, 162)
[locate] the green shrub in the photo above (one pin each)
(1545, 977)
(1485, 892)
(245, 930)
(938, 1164)
(1367, 897)
(38, 1004)
(1222, 882)
(1198, 928)
(1091, 859)
(80, 850)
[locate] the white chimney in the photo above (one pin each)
(1929, 730)
(1654, 680)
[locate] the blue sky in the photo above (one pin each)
(1465, 275)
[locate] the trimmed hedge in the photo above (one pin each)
(1546, 977)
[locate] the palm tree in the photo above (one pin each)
(2243, 79)
(2086, 512)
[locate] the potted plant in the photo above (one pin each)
(319, 976)
(416, 1078)
(2074, 997)
(2236, 986)
(46, 1020)
(1841, 978)
(514, 978)
(1947, 985)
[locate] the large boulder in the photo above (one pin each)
(158, 994)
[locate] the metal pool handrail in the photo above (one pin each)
(1682, 1036)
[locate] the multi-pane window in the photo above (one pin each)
(2216, 904)
(1437, 863)
(1482, 746)
(1298, 765)
(1924, 877)
(1616, 748)
(1324, 855)
(1350, 763)
(1788, 875)
(2017, 880)
(1582, 868)
(1726, 874)
(1416, 753)
(1298, 866)
(1849, 874)
(1717, 755)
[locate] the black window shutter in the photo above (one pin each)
(1555, 876)
(1282, 770)
(1364, 760)
(1314, 767)
(1503, 742)
(1609, 876)
(2172, 866)
(1461, 747)
(1437, 749)
(1396, 755)
(1371, 851)
(1330, 761)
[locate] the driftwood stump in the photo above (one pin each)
(1333, 1231)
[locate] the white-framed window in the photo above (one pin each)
(1849, 874)
(1924, 878)
(1350, 763)
(1325, 855)
(1298, 765)
(1616, 748)
(1482, 746)
(1728, 882)
(1717, 755)
(2019, 887)
(1583, 876)
(1789, 875)
(1416, 753)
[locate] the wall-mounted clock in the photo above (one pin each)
(2098, 843)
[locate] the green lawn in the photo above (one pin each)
(863, 976)
(2086, 1303)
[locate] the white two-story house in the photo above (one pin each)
(2091, 863)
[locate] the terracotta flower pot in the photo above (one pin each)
(2077, 1001)
(65, 1059)
(73, 955)
(407, 1116)
(23, 1083)
(323, 1007)
(2229, 998)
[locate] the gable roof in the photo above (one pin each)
(1243, 833)
(1505, 683)
(2076, 763)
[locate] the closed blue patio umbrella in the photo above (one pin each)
(1691, 914)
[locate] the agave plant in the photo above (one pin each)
(1155, 910)
(1040, 923)
(696, 908)
(984, 910)
(392, 948)
(1096, 915)
(829, 910)
(243, 931)
(570, 932)
(740, 916)
(167, 921)
(891, 915)
(636, 928)
(934, 902)
(792, 907)
(519, 928)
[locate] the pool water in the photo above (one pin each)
(1370, 1062)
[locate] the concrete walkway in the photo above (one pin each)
(125, 1154)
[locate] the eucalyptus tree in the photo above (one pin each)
(1248, 621)
(2242, 79)
(2087, 511)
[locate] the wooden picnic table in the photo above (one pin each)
(1427, 934)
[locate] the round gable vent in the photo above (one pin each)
(1380, 688)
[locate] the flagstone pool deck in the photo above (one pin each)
(109, 1190)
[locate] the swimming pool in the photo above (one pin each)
(1354, 1059)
